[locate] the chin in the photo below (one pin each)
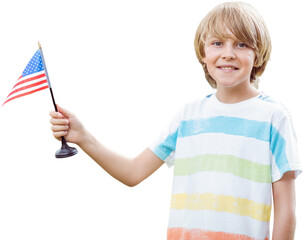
(227, 84)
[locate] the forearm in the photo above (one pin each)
(284, 207)
(129, 171)
(284, 225)
(117, 166)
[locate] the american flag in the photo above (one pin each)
(32, 80)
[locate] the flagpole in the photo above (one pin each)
(65, 151)
(47, 77)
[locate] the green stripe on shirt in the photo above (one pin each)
(226, 164)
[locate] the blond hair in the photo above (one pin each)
(246, 25)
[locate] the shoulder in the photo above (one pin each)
(195, 107)
(273, 107)
(198, 101)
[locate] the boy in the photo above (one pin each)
(229, 150)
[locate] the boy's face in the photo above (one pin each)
(228, 61)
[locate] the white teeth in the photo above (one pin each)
(227, 68)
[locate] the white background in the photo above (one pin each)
(124, 68)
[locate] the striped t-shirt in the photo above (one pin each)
(225, 158)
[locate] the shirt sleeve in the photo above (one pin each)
(283, 145)
(165, 145)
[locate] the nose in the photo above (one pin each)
(228, 52)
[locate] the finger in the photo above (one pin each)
(58, 135)
(65, 112)
(58, 121)
(55, 114)
(58, 128)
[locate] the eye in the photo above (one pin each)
(241, 45)
(217, 43)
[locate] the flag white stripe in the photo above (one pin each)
(26, 90)
(28, 83)
(30, 76)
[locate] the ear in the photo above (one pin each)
(256, 62)
(256, 65)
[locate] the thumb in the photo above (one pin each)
(64, 112)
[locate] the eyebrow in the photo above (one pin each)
(221, 39)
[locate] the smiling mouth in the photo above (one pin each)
(228, 68)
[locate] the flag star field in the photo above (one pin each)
(33, 79)
(35, 65)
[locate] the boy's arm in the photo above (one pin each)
(129, 171)
(284, 207)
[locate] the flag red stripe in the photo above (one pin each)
(24, 94)
(28, 86)
(30, 79)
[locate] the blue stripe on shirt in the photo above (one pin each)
(263, 131)
(228, 125)
(164, 149)
(278, 149)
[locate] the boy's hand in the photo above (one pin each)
(66, 124)
(129, 171)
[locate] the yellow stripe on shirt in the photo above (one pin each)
(221, 203)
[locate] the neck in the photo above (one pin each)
(235, 95)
